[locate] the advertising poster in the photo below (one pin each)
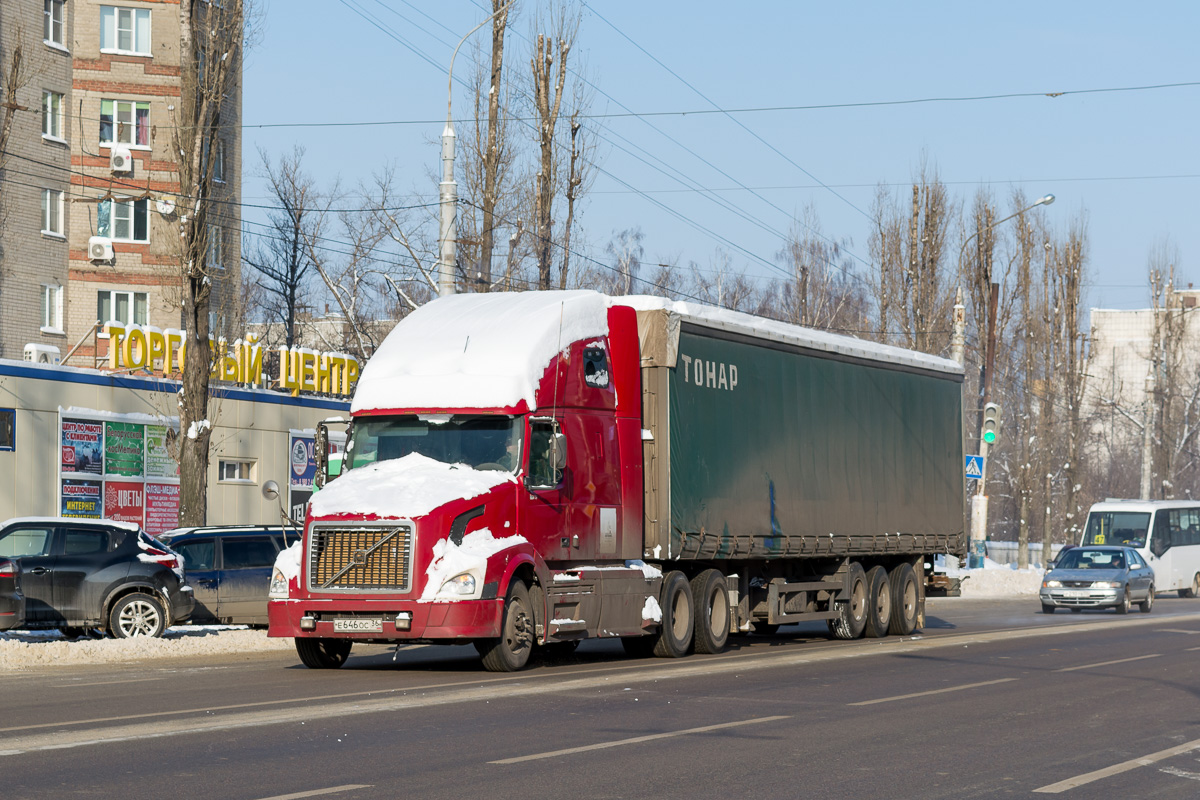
(303, 466)
(159, 463)
(82, 499)
(124, 444)
(162, 507)
(123, 501)
(299, 504)
(83, 446)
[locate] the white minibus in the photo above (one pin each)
(1165, 532)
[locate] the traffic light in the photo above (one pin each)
(991, 423)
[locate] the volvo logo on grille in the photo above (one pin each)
(359, 558)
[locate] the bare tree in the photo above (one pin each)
(282, 255)
(1071, 362)
(913, 293)
(823, 291)
(620, 276)
(210, 53)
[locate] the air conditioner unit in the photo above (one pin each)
(100, 248)
(120, 160)
(42, 353)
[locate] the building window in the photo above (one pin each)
(123, 220)
(235, 471)
(52, 27)
(216, 247)
(52, 302)
(52, 212)
(8, 429)
(128, 308)
(52, 115)
(124, 122)
(125, 30)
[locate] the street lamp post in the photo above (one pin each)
(448, 189)
(979, 501)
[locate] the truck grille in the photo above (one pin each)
(359, 557)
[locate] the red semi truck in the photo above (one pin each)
(533, 469)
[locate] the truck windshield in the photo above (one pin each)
(1117, 527)
(483, 442)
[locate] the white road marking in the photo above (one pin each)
(932, 691)
(349, 787)
(72, 684)
(1177, 630)
(1191, 649)
(635, 740)
(1109, 663)
(1117, 769)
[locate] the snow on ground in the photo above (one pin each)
(998, 580)
(24, 650)
(21, 650)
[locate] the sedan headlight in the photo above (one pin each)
(1106, 585)
(279, 585)
(1051, 584)
(459, 585)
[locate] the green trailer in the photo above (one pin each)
(805, 467)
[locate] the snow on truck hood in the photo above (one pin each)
(403, 488)
(477, 350)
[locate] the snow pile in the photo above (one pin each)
(403, 488)
(477, 350)
(288, 562)
(471, 556)
(651, 610)
(998, 580)
(35, 649)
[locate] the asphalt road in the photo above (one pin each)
(990, 700)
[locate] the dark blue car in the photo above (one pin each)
(229, 568)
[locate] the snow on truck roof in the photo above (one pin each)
(491, 350)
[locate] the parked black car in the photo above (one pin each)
(230, 569)
(12, 602)
(79, 575)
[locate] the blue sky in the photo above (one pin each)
(1129, 159)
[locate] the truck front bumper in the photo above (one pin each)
(382, 620)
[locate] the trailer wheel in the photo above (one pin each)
(905, 600)
(852, 612)
(675, 632)
(511, 651)
(710, 598)
(879, 603)
(323, 653)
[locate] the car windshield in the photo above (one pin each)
(1083, 558)
(1117, 527)
(483, 442)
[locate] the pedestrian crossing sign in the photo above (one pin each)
(975, 467)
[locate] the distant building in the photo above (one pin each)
(96, 167)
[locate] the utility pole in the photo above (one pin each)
(1148, 435)
(448, 189)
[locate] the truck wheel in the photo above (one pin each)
(852, 612)
(904, 600)
(511, 651)
(879, 603)
(711, 602)
(323, 653)
(675, 631)
(137, 615)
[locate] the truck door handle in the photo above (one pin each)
(39, 571)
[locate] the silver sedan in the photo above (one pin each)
(1098, 577)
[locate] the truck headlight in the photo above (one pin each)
(458, 586)
(279, 585)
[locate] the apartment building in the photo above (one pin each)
(35, 165)
(114, 254)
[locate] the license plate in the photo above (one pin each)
(358, 626)
(1076, 593)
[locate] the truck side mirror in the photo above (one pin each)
(558, 452)
(321, 453)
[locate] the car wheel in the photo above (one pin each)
(879, 603)
(137, 615)
(1148, 603)
(1126, 603)
(710, 605)
(1047, 609)
(323, 653)
(851, 617)
(511, 651)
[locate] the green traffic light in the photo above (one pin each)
(989, 437)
